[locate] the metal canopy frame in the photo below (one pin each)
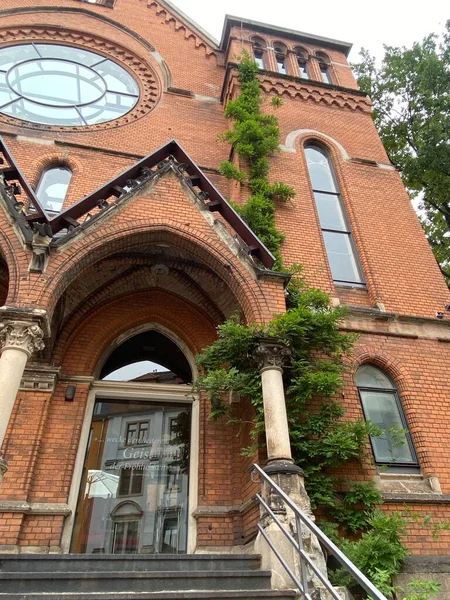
(122, 185)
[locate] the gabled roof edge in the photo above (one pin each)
(207, 37)
(133, 176)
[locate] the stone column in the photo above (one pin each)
(20, 339)
(271, 356)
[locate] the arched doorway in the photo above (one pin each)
(134, 486)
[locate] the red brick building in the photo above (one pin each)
(110, 112)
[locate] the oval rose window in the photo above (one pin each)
(59, 85)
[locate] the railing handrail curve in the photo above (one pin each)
(331, 547)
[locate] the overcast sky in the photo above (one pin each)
(393, 22)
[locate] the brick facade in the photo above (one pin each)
(102, 284)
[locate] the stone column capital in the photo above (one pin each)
(26, 336)
(271, 354)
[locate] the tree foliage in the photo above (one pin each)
(410, 92)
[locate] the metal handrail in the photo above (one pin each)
(305, 561)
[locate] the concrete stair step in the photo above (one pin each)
(189, 595)
(51, 563)
(132, 581)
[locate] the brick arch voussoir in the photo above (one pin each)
(86, 343)
(9, 256)
(53, 159)
(387, 363)
(108, 240)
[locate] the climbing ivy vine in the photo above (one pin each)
(322, 440)
(254, 137)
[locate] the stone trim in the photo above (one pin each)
(225, 511)
(366, 321)
(40, 378)
(34, 508)
(416, 498)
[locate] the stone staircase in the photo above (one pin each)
(135, 577)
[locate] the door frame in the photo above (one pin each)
(154, 393)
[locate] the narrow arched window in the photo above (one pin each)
(341, 252)
(302, 59)
(52, 188)
(280, 56)
(258, 51)
(324, 66)
(381, 405)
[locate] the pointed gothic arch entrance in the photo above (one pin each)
(135, 482)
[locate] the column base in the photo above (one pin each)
(289, 478)
(282, 466)
(3, 468)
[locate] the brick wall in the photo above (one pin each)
(102, 284)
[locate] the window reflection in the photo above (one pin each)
(381, 405)
(52, 188)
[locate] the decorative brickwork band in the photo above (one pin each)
(22, 335)
(271, 354)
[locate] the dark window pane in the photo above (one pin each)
(143, 433)
(330, 211)
(131, 437)
(381, 408)
(132, 539)
(52, 188)
(341, 257)
(136, 481)
(319, 171)
(124, 482)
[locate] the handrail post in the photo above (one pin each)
(270, 355)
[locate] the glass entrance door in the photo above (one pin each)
(134, 489)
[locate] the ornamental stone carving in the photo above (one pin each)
(271, 354)
(3, 468)
(22, 335)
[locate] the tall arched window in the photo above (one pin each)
(324, 66)
(302, 59)
(381, 405)
(342, 256)
(280, 56)
(52, 188)
(258, 51)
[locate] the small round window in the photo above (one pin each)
(62, 85)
